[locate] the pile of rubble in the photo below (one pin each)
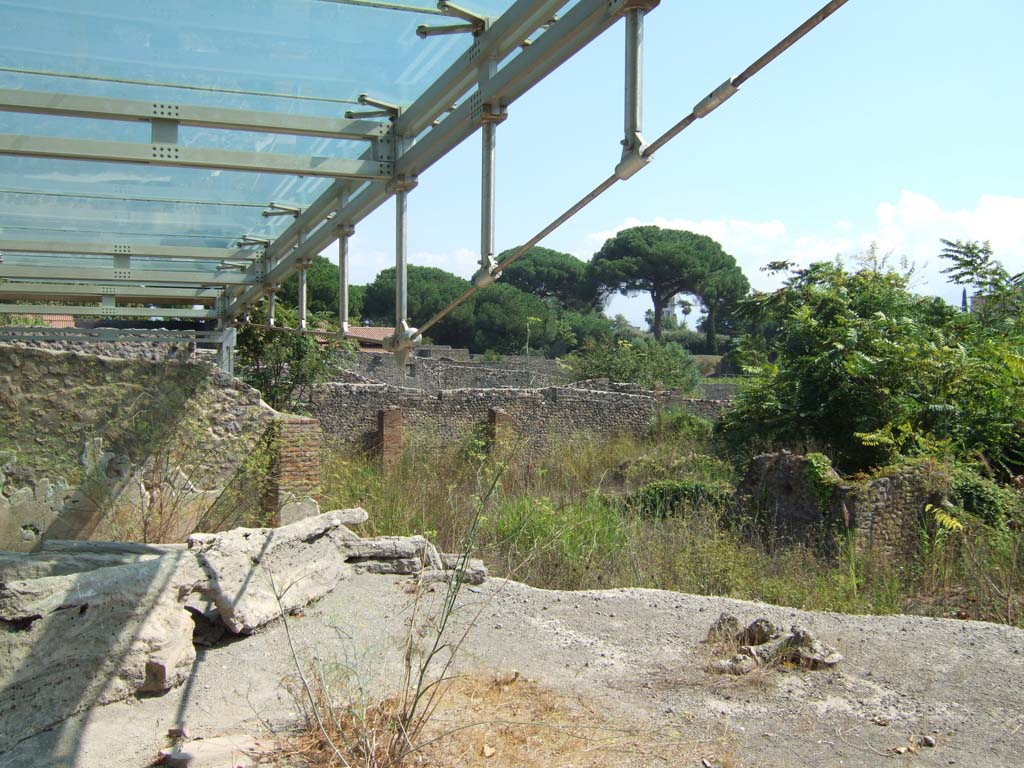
(761, 644)
(87, 623)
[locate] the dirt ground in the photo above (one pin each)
(616, 677)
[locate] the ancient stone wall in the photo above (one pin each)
(128, 350)
(885, 513)
(348, 412)
(438, 371)
(127, 449)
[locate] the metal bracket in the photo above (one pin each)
(402, 342)
(251, 241)
(489, 115)
(383, 108)
(346, 230)
(276, 209)
(620, 7)
(401, 184)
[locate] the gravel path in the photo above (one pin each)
(635, 652)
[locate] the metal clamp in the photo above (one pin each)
(716, 98)
(401, 184)
(620, 7)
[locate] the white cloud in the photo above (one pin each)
(910, 228)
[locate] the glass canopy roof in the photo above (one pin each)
(183, 159)
(296, 57)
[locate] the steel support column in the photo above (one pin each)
(401, 260)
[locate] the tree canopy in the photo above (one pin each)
(322, 290)
(550, 275)
(665, 263)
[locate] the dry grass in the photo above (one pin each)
(505, 721)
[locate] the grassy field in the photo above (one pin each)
(583, 514)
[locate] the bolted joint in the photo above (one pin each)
(633, 158)
(401, 184)
(346, 230)
(402, 342)
(490, 114)
(622, 7)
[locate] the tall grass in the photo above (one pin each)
(568, 517)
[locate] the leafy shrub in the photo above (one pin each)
(680, 424)
(664, 498)
(984, 498)
(644, 362)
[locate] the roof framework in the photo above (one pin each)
(151, 166)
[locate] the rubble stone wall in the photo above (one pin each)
(439, 371)
(129, 449)
(348, 412)
(884, 512)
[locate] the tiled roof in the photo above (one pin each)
(369, 332)
(55, 321)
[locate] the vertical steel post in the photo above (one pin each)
(302, 288)
(488, 134)
(271, 305)
(401, 257)
(345, 233)
(633, 115)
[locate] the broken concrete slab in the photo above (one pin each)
(73, 641)
(256, 573)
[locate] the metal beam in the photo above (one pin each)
(125, 293)
(109, 311)
(192, 157)
(72, 105)
(35, 271)
(502, 37)
(126, 249)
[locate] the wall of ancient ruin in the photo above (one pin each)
(128, 448)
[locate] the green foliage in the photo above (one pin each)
(855, 362)
(665, 263)
(549, 274)
(663, 498)
(282, 365)
(984, 498)
(429, 291)
(822, 476)
(322, 291)
(644, 362)
(680, 425)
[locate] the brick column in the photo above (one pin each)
(499, 425)
(294, 479)
(390, 437)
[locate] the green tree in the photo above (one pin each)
(664, 263)
(550, 275)
(502, 321)
(430, 290)
(322, 291)
(855, 363)
(282, 365)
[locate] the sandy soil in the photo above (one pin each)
(635, 655)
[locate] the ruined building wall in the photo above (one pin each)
(348, 412)
(130, 449)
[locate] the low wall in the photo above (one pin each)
(438, 372)
(348, 412)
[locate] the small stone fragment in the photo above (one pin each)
(927, 741)
(724, 629)
(758, 632)
(179, 731)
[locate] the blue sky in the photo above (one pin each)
(897, 122)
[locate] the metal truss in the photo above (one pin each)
(506, 56)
